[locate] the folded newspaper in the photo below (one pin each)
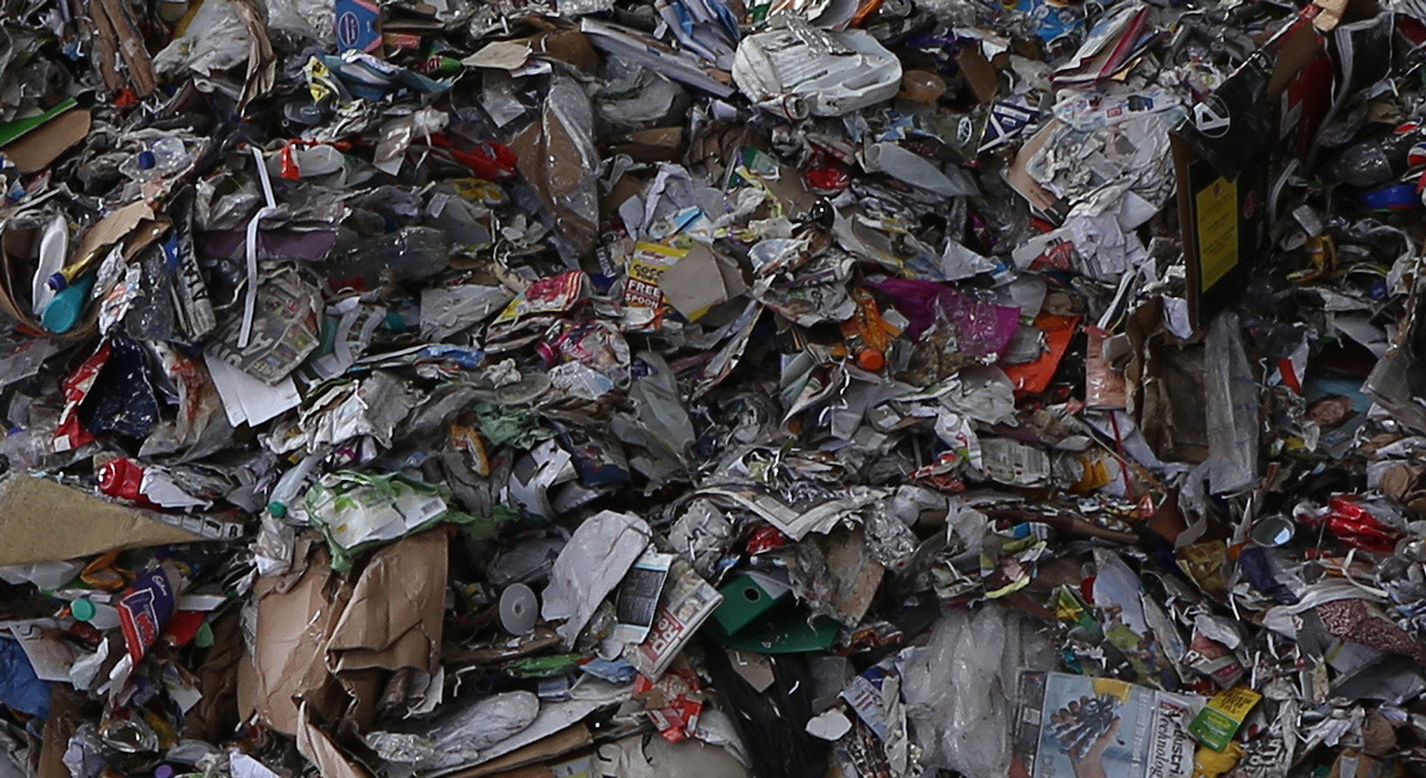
(687, 602)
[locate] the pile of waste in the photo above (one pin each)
(712, 388)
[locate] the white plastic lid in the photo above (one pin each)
(519, 609)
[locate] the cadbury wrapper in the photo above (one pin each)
(145, 610)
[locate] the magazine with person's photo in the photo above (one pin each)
(1074, 726)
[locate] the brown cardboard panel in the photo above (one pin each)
(43, 520)
(36, 150)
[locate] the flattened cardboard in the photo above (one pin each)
(42, 520)
(261, 73)
(124, 61)
(296, 615)
(216, 713)
(396, 610)
(532, 771)
(656, 144)
(66, 714)
(113, 228)
(979, 73)
(566, 45)
(700, 281)
(16, 128)
(1165, 381)
(34, 151)
(319, 749)
(558, 744)
(548, 156)
(540, 639)
(789, 189)
(1020, 180)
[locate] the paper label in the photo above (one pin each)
(644, 302)
(1217, 231)
(1217, 723)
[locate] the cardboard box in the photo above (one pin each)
(1222, 152)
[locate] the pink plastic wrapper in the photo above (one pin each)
(982, 329)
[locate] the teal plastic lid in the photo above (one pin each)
(83, 610)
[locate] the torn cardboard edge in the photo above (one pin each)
(565, 741)
(35, 151)
(42, 520)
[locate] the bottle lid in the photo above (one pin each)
(163, 771)
(277, 509)
(83, 610)
(146, 160)
(871, 359)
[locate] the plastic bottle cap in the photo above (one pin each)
(163, 771)
(871, 359)
(519, 609)
(277, 509)
(146, 160)
(83, 610)
(57, 281)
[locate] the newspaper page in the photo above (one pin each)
(687, 602)
(1074, 726)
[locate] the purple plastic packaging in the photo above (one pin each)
(982, 329)
(145, 610)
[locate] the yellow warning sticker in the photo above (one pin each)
(1217, 207)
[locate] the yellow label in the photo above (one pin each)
(1119, 689)
(479, 190)
(317, 78)
(1235, 702)
(1217, 231)
(646, 266)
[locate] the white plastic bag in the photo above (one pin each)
(960, 688)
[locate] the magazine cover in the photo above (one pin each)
(1074, 726)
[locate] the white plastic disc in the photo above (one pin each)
(519, 609)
